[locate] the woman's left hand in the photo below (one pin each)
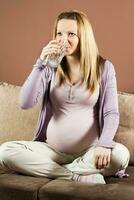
(102, 157)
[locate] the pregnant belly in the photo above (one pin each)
(72, 134)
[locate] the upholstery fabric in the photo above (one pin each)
(126, 108)
(15, 123)
(125, 133)
(116, 189)
(19, 187)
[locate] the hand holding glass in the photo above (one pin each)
(52, 58)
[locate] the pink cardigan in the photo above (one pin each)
(37, 86)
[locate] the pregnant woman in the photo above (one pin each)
(79, 114)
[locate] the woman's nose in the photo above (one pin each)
(65, 36)
(63, 40)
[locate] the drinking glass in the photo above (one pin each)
(54, 60)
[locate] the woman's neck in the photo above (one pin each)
(74, 69)
(73, 63)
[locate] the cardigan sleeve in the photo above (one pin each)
(35, 85)
(109, 103)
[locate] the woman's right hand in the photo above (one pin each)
(53, 47)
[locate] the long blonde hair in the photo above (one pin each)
(88, 51)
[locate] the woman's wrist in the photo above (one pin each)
(40, 64)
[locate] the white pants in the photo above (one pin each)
(40, 159)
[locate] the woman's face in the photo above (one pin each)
(67, 32)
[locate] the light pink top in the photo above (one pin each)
(73, 126)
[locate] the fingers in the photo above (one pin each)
(102, 161)
(96, 161)
(54, 44)
(99, 162)
(105, 161)
(108, 159)
(53, 47)
(51, 50)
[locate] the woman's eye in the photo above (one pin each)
(59, 34)
(71, 34)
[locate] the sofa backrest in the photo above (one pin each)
(126, 107)
(15, 123)
(18, 124)
(125, 133)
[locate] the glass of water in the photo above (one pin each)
(54, 60)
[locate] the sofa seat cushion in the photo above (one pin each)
(19, 187)
(69, 190)
(127, 180)
(115, 189)
(125, 136)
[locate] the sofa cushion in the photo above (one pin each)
(15, 123)
(19, 187)
(66, 190)
(126, 180)
(125, 133)
(70, 190)
(125, 136)
(126, 108)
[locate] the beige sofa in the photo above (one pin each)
(17, 124)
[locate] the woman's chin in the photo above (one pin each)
(68, 53)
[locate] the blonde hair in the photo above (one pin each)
(88, 51)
